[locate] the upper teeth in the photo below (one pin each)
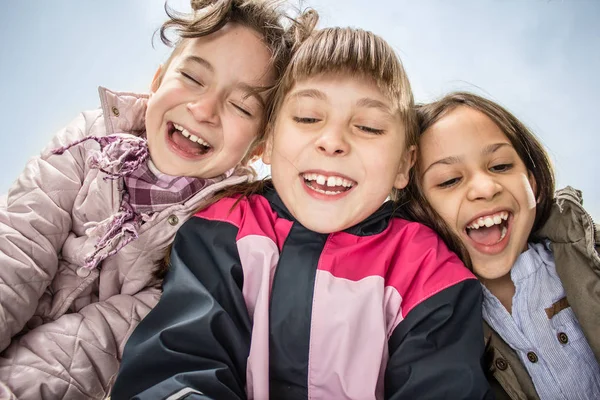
(328, 180)
(190, 136)
(489, 220)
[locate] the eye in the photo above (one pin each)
(242, 110)
(370, 130)
(306, 120)
(448, 183)
(501, 167)
(191, 78)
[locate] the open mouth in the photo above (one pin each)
(186, 141)
(489, 230)
(329, 185)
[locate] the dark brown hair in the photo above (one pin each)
(526, 144)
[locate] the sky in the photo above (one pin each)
(538, 58)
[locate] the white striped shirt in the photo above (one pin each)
(553, 350)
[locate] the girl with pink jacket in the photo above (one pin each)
(86, 222)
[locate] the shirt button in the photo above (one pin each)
(173, 220)
(83, 272)
(563, 338)
(501, 364)
(115, 111)
(532, 357)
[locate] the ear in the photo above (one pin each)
(407, 163)
(267, 154)
(156, 79)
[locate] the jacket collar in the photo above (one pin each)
(123, 111)
(568, 221)
(374, 224)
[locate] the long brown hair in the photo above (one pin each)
(526, 144)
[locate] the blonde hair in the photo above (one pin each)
(359, 53)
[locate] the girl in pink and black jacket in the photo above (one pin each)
(314, 286)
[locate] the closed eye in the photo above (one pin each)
(449, 183)
(501, 167)
(242, 110)
(368, 129)
(306, 120)
(191, 78)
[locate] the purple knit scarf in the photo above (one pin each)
(146, 191)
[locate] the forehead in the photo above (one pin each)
(462, 131)
(233, 50)
(342, 89)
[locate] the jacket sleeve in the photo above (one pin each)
(34, 224)
(436, 352)
(196, 341)
(78, 355)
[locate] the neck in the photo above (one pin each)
(503, 288)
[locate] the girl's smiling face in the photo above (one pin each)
(206, 109)
(473, 177)
(337, 149)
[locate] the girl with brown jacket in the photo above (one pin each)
(490, 181)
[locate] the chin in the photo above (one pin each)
(323, 226)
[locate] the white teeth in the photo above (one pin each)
(330, 181)
(190, 136)
(489, 220)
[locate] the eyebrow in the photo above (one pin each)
(365, 102)
(310, 93)
(368, 102)
(487, 150)
(200, 61)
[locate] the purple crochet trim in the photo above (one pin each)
(119, 155)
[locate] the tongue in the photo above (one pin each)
(187, 145)
(486, 236)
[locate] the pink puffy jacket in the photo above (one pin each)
(63, 327)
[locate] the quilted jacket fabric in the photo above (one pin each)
(62, 326)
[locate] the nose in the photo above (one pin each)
(483, 186)
(332, 141)
(205, 109)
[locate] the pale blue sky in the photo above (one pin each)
(539, 58)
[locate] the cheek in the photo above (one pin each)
(529, 200)
(444, 205)
(240, 134)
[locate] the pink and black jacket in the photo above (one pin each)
(256, 306)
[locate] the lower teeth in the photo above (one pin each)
(321, 190)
